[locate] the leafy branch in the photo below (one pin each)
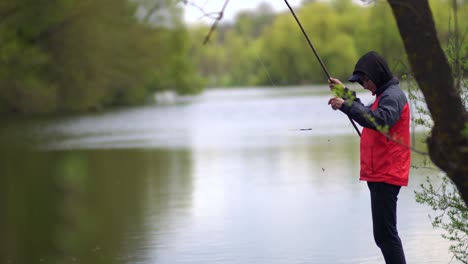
(451, 214)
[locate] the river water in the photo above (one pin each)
(223, 177)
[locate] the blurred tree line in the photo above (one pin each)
(70, 55)
(85, 55)
(261, 47)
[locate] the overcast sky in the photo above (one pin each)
(193, 14)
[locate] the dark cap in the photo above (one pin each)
(354, 78)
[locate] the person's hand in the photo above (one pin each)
(336, 102)
(335, 84)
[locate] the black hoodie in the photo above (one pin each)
(375, 68)
(391, 98)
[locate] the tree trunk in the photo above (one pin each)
(448, 142)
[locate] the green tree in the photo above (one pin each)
(382, 35)
(70, 55)
(266, 48)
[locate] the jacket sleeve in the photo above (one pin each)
(387, 112)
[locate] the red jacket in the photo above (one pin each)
(386, 159)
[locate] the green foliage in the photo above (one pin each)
(263, 48)
(343, 92)
(451, 214)
(70, 55)
(339, 90)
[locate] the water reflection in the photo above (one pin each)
(88, 206)
(218, 178)
(254, 118)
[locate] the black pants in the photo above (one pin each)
(384, 219)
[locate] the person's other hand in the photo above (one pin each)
(336, 102)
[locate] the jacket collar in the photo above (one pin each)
(382, 88)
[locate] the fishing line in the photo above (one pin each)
(317, 56)
(266, 69)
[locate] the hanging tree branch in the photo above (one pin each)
(217, 16)
(212, 15)
(215, 24)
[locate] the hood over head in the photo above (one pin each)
(374, 67)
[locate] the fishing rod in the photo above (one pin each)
(317, 56)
